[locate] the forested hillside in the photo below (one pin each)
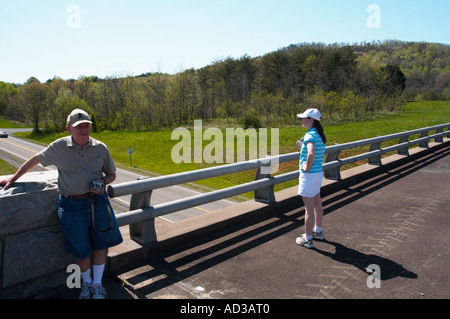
(343, 81)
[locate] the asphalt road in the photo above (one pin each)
(21, 150)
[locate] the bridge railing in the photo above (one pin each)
(141, 215)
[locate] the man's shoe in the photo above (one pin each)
(302, 241)
(98, 292)
(85, 291)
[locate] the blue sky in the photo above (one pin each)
(70, 38)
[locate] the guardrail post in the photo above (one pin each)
(333, 173)
(375, 160)
(404, 150)
(424, 144)
(439, 139)
(143, 232)
(264, 195)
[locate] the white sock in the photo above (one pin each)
(308, 237)
(86, 276)
(317, 229)
(98, 273)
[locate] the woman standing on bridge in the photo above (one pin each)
(312, 152)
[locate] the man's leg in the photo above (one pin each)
(84, 264)
(99, 260)
(85, 269)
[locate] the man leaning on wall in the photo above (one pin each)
(85, 166)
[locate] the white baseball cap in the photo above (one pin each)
(312, 113)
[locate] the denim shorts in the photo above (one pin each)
(82, 233)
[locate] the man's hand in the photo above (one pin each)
(103, 188)
(105, 180)
(7, 182)
(31, 163)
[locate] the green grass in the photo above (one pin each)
(6, 168)
(415, 115)
(8, 124)
(152, 149)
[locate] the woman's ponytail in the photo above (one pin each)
(319, 129)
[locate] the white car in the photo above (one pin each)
(3, 134)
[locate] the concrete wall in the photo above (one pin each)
(33, 260)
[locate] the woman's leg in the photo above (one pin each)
(318, 210)
(309, 214)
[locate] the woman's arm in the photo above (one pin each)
(306, 166)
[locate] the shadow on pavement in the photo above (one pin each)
(389, 269)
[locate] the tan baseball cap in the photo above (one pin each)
(78, 116)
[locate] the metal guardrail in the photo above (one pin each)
(141, 215)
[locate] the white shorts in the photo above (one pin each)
(309, 184)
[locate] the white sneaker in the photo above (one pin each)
(98, 292)
(318, 236)
(302, 241)
(85, 291)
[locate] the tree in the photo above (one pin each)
(274, 71)
(36, 99)
(184, 95)
(394, 80)
(442, 80)
(227, 74)
(311, 71)
(65, 102)
(32, 80)
(156, 95)
(246, 73)
(7, 91)
(394, 83)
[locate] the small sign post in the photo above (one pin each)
(130, 151)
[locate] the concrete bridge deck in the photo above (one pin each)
(398, 219)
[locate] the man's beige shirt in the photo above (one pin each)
(77, 166)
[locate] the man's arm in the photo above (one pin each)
(109, 178)
(31, 163)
